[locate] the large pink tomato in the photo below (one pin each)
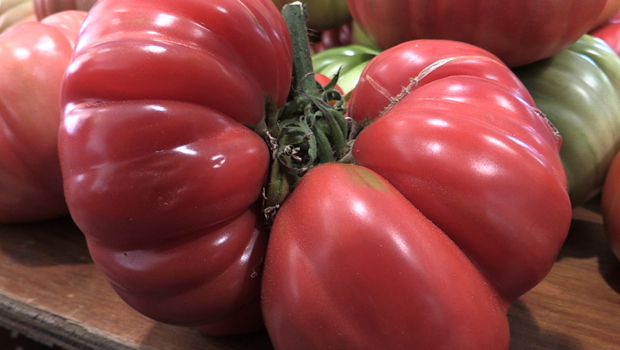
(161, 166)
(457, 206)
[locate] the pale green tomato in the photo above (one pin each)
(579, 91)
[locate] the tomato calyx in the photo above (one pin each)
(311, 128)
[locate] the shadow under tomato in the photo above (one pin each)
(609, 267)
(526, 334)
(11, 340)
(585, 239)
(193, 339)
(46, 243)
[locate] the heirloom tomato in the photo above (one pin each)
(578, 90)
(44, 8)
(161, 166)
(13, 12)
(323, 14)
(517, 31)
(457, 205)
(34, 57)
(610, 205)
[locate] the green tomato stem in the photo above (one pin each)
(310, 129)
(294, 15)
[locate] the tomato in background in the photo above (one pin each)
(609, 12)
(578, 90)
(161, 166)
(323, 14)
(517, 31)
(609, 32)
(34, 57)
(330, 38)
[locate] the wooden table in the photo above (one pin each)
(50, 290)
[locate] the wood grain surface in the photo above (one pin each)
(50, 290)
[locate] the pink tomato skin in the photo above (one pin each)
(457, 206)
(361, 268)
(161, 165)
(34, 57)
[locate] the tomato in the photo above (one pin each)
(347, 34)
(161, 166)
(44, 8)
(323, 14)
(360, 38)
(358, 275)
(34, 57)
(578, 90)
(335, 37)
(609, 12)
(609, 32)
(517, 31)
(13, 12)
(610, 205)
(458, 186)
